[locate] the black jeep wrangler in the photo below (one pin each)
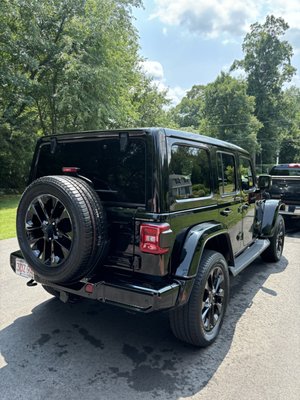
(147, 219)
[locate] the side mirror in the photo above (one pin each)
(264, 182)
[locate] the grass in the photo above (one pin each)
(8, 208)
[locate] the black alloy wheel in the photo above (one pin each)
(61, 228)
(199, 321)
(274, 251)
(213, 299)
(49, 230)
(280, 238)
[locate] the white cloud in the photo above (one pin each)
(213, 18)
(289, 10)
(155, 70)
(175, 94)
(209, 18)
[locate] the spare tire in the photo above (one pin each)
(61, 228)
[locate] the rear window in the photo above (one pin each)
(285, 171)
(118, 174)
(189, 175)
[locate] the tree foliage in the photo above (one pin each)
(222, 109)
(188, 113)
(229, 112)
(267, 63)
(290, 143)
(150, 104)
(69, 62)
(69, 65)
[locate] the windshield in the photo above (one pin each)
(117, 172)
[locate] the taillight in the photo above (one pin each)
(89, 288)
(70, 170)
(294, 165)
(150, 238)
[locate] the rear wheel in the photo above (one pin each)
(274, 251)
(198, 322)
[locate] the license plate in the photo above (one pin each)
(23, 269)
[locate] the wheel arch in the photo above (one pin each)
(206, 236)
(269, 211)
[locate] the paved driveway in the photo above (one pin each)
(52, 350)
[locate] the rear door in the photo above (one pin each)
(248, 198)
(230, 198)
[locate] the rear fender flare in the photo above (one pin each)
(195, 242)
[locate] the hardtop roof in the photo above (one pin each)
(152, 131)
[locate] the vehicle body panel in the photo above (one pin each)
(199, 217)
(285, 184)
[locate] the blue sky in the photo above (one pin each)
(187, 42)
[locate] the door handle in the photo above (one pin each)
(226, 212)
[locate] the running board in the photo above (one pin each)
(249, 255)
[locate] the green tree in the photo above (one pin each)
(189, 112)
(68, 65)
(267, 63)
(68, 62)
(229, 112)
(290, 143)
(150, 104)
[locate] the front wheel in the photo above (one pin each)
(198, 322)
(274, 251)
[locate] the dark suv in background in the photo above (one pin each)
(147, 219)
(285, 185)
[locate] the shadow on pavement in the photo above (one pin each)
(91, 350)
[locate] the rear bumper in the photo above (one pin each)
(286, 199)
(292, 206)
(144, 296)
(291, 211)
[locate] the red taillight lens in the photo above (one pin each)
(150, 235)
(89, 288)
(72, 170)
(294, 165)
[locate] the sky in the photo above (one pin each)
(188, 42)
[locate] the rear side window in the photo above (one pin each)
(189, 173)
(118, 174)
(226, 173)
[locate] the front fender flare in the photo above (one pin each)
(268, 211)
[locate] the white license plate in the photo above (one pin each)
(23, 269)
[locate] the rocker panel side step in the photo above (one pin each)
(249, 255)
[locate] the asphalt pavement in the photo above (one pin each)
(51, 350)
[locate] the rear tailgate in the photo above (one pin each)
(122, 234)
(287, 188)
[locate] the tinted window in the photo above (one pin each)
(117, 174)
(292, 171)
(226, 173)
(246, 173)
(189, 175)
